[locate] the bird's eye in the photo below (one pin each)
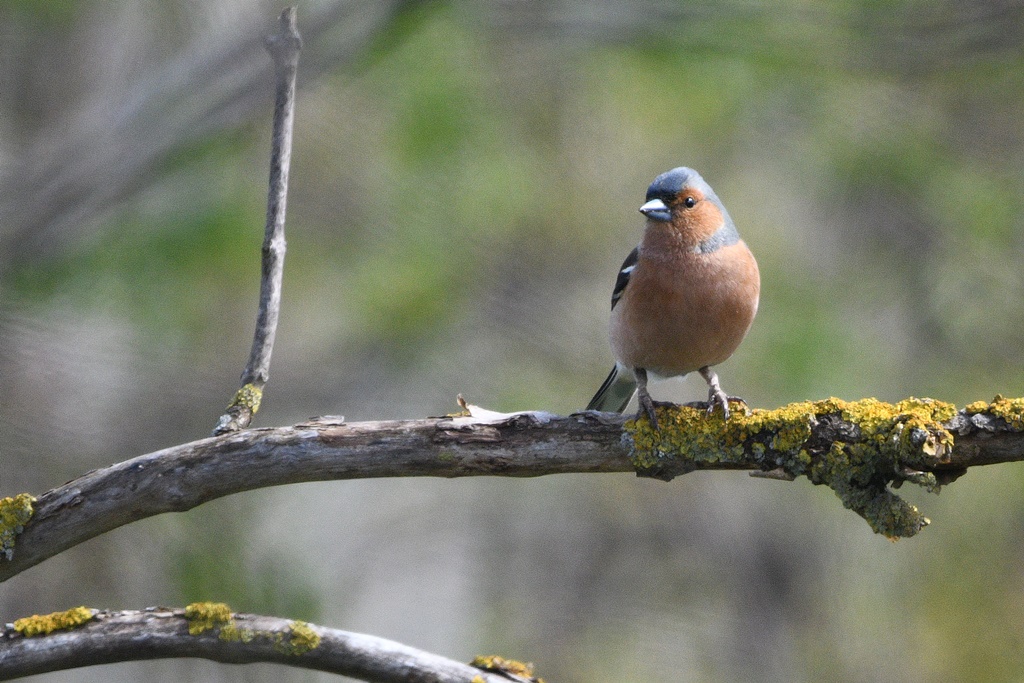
(690, 202)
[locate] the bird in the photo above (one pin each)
(684, 298)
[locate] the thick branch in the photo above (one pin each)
(159, 632)
(284, 47)
(182, 477)
(853, 448)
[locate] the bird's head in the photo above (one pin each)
(684, 201)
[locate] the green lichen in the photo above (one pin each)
(250, 396)
(231, 633)
(15, 512)
(301, 639)
(692, 435)
(506, 667)
(877, 444)
(203, 616)
(1011, 410)
(44, 624)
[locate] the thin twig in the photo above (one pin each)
(829, 448)
(160, 632)
(284, 47)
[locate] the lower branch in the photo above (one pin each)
(84, 637)
(860, 449)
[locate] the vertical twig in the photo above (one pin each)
(284, 47)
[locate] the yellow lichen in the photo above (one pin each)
(250, 396)
(43, 624)
(701, 438)
(1009, 409)
(977, 406)
(883, 443)
(231, 633)
(203, 616)
(15, 512)
(478, 679)
(505, 666)
(302, 638)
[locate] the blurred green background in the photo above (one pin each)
(465, 182)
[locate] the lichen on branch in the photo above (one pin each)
(878, 447)
(15, 513)
(45, 624)
(298, 639)
(859, 449)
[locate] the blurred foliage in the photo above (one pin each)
(222, 562)
(463, 188)
(54, 12)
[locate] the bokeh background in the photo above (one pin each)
(465, 182)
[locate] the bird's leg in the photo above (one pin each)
(644, 398)
(715, 394)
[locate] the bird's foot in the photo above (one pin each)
(647, 408)
(717, 397)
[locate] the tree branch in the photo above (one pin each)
(284, 46)
(859, 449)
(211, 631)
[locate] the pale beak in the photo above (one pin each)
(656, 210)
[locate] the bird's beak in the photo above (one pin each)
(656, 210)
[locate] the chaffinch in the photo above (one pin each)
(684, 298)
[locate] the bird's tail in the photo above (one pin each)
(616, 392)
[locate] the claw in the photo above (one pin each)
(716, 397)
(644, 398)
(647, 407)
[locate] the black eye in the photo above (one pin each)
(690, 202)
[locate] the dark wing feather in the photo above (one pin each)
(616, 392)
(623, 278)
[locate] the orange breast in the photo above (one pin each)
(681, 313)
